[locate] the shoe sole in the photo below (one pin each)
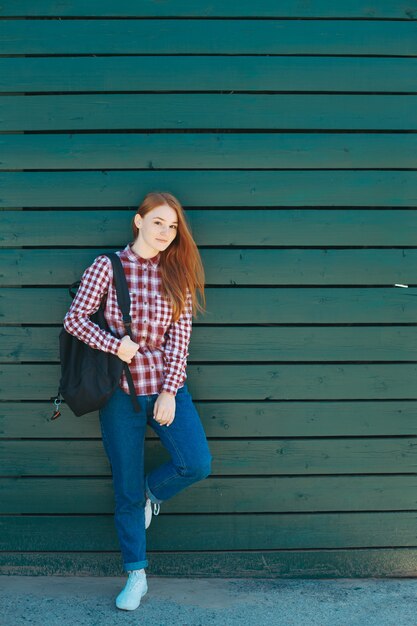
(134, 608)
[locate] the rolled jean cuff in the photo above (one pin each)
(149, 493)
(135, 565)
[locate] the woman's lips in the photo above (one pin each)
(162, 240)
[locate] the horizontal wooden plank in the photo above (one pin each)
(215, 8)
(244, 305)
(231, 267)
(111, 188)
(221, 344)
(383, 455)
(237, 419)
(363, 563)
(285, 227)
(297, 494)
(224, 532)
(111, 227)
(144, 111)
(202, 150)
(289, 381)
(208, 73)
(202, 36)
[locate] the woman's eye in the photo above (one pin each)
(173, 225)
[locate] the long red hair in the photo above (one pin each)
(180, 264)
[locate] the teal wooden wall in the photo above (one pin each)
(288, 132)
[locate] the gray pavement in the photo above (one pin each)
(89, 601)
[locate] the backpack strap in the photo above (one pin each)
(123, 300)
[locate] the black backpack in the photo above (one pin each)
(90, 376)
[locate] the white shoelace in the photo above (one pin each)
(134, 577)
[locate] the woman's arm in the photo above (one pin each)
(94, 284)
(176, 348)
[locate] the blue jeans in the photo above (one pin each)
(123, 435)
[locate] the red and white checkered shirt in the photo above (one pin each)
(161, 360)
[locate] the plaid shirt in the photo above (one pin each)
(160, 362)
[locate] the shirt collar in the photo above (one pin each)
(136, 258)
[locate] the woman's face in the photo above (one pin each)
(158, 228)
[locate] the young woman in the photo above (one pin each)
(163, 270)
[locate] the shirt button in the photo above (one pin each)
(145, 304)
(152, 367)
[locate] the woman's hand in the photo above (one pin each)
(164, 408)
(127, 349)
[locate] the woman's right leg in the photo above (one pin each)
(123, 435)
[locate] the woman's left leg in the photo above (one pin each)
(187, 444)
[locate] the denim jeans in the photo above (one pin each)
(123, 435)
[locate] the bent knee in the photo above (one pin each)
(200, 470)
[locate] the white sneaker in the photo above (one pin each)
(136, 587)
(148, 511)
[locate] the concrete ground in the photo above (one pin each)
(89, 601)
